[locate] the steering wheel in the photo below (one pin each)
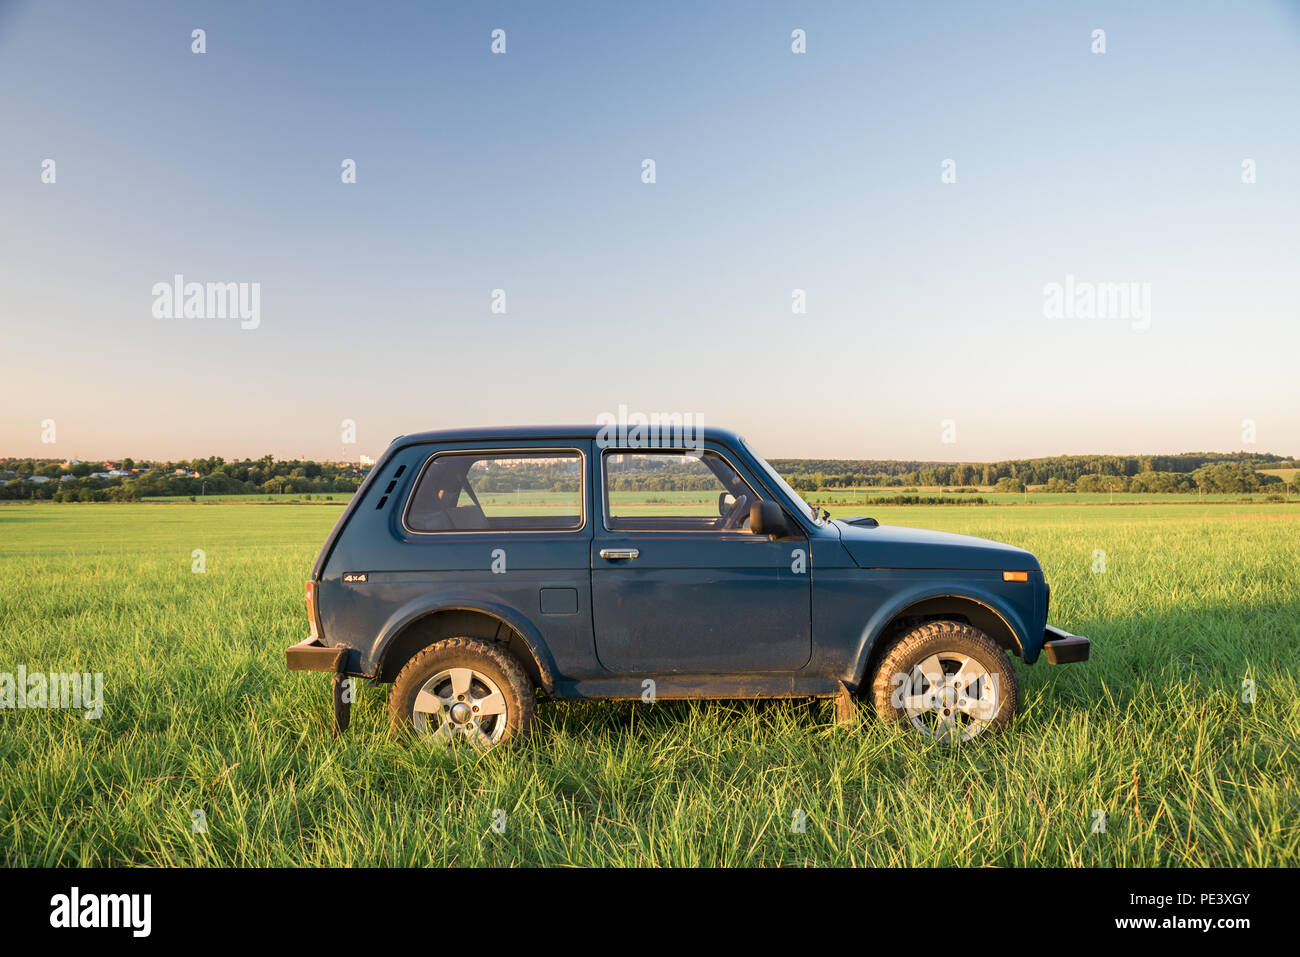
(734, 517)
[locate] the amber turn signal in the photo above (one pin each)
(1015, 576)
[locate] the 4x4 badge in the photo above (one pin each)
(351, 577)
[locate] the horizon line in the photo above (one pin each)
(805, 458)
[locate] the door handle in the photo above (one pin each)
(619, 552)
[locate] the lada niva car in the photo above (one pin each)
(478, 570)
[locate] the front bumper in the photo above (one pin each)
(1063, 648)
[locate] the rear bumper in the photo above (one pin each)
(311, 655)
(1063, 648)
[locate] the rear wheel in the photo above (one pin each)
(463, 690)
(947, 681)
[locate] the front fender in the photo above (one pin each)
(1015, 618)
(460, 600)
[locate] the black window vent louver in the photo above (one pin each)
(391, 485)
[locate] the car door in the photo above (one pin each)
(679, 583)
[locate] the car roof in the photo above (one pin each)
(497, 433)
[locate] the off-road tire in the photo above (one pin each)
(486, 657)
(937, 637)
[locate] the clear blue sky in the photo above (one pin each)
(775, 172)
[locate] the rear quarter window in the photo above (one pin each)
(499, 491)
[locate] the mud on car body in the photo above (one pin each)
(477, 570)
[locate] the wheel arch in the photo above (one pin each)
(419, 627)
(983, 612)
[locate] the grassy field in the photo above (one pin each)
(1286, 475)
(201, 716)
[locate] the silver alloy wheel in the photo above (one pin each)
(950, 697)
(461, 704)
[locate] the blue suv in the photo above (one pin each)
(478, 570)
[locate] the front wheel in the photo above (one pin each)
(463, 689)
(947, 681)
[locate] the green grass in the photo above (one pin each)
(261, 498)
(201, 714)
(1286, 475)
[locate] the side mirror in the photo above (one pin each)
(767, 518)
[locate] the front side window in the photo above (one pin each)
(675, 491)
(498, 491)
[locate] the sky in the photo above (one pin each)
(918, 180)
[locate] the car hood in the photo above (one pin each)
(895, 546)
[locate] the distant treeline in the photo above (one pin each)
(928, 500)
(131, 480)
(1185, 472)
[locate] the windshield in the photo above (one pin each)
(794, 497)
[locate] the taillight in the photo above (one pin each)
(311, 608)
